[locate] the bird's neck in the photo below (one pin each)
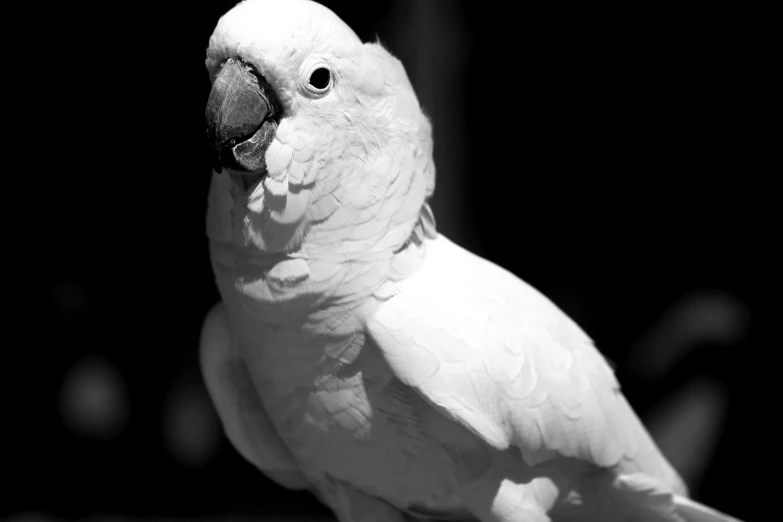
(286, 290)
(311, 285)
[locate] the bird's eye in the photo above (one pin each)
(320, 80)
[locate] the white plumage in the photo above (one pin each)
(359, 354)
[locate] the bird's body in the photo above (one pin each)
(359, 354)
(345, 417)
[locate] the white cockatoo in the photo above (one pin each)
(359, 354)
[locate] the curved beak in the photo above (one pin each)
(238, 119)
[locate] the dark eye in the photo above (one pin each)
(320, 78)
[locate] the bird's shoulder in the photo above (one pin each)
(493, 353)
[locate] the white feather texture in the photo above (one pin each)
(358, 354)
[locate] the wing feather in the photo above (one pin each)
(244, 419)
(494, 354)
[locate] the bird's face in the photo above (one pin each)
(303, 120)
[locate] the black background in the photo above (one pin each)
(615, 160)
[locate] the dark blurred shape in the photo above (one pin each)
(69, 297)
(31, 517)
(713, 317)
(93, 399)
(435, 48)
(190, 426)
(676, 367)
(687, 426)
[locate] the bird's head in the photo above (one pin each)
(317, 140)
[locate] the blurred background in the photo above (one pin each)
(616, 160)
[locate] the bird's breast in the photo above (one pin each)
(344, 415)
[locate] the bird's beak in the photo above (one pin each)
(239, 119)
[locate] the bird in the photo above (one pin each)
(359, 354)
